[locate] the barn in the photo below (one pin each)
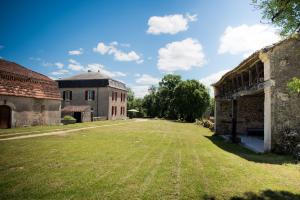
(27, 98)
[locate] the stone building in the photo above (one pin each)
(253, 99)
(106, 98)
(27, 98)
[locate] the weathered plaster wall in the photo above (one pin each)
(285, 107)
(102, 104)
(117, 103)
(250, 113)
(31, 111)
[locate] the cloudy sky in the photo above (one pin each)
(134, 41)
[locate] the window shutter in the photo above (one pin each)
(112, 110)
(93, 94)
(86, 95)
(116, 96)
(64, 95)
(70, 95)
(112, 96)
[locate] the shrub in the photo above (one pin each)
(288, 142)
(69, 118)
(205, 123)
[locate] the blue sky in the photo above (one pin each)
(134, 41)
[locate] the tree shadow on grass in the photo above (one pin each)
(264, 195)
(249, 155)
(268, 195)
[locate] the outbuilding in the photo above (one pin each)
(27, 98)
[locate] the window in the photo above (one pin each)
(112, 110)
(115, 110)
(90, 95)
(112, 96)
(116, 96)
(67, 95)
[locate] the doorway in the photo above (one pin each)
(5, 117)
(77, 116)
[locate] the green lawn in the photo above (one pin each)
(152, 159)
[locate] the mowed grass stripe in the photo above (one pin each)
(154, 159)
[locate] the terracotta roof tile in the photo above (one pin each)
(17, 80)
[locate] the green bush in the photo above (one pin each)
(69, 118)
(205, 123)
(287, 141)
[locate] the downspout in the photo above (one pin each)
(97, 101)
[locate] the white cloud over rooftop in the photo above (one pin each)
(246, 39)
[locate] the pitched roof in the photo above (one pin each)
(87, 76)
(71, 108)
(253, 57)
(17, 80)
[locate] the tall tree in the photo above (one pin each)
(282, 13)
(192, 99)
(166, 95)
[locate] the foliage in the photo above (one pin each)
(287, 141)
(134, 103)
(191, 100)
(282, 13)
(294, 85)
(166, 95)
(69, 118)
(205, 123)
(177, 99)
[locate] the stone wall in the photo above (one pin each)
(223, 117)
(250, 113)
(285, 107)
(32, 111)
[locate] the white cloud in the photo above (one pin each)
(76, 52)
(118, 54)
(246, 39)
(60, 72)
(181, 55)
(59, 65)
(35, 58)
(140, 90)
(169, 24)
(74, 65)
(212, 78)
(146, 79)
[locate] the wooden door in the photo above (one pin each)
(5, 117)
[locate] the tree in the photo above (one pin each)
(294, 85)
(191, 99)
(166, 97)
(130, 99)
(282, 13)
(150, 103)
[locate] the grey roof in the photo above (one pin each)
(87, 76)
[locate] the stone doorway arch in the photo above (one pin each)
(5, 116)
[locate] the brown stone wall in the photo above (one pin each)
(31, 111)
(223, 117)
(285, 107)
(250, 113)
